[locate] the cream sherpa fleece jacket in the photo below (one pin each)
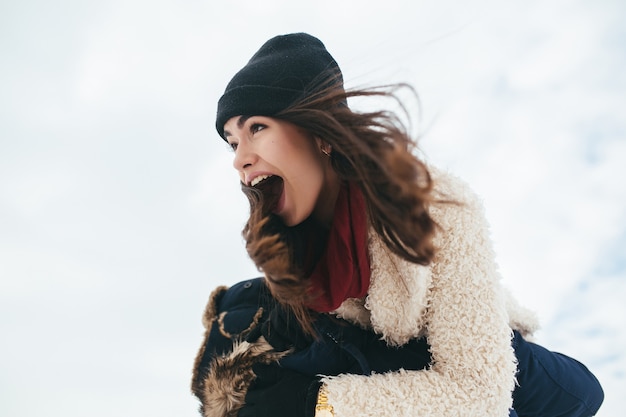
(458, 303)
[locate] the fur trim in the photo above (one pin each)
(229, 376)
(255, 321)
(210, 311)
(209, 316)
(354, 311)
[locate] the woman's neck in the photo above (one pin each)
(324, 211)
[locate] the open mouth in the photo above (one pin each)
(271, 186)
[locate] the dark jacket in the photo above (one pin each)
(233, 319)
(237, 319)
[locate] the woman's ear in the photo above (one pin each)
(323, 146)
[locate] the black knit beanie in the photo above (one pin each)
(286, 69)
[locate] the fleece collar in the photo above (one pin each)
(396, 304)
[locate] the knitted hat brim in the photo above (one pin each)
(253, 100)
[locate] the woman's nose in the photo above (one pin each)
(244, 156)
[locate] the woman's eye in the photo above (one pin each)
(232, 146)
(256, 127)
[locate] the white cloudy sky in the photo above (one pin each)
(119, 212)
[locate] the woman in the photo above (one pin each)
(388, 298)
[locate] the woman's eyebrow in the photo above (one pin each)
(240, 122)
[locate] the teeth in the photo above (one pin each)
(259, 179)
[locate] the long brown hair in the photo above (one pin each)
(375, 151)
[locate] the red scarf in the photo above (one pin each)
(343, 271)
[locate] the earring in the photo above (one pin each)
(326, 151)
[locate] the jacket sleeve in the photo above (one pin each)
(222, 371)
(473, 363)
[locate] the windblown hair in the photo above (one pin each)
(374, 151)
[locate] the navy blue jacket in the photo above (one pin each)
(341, 347)
(549, 383)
